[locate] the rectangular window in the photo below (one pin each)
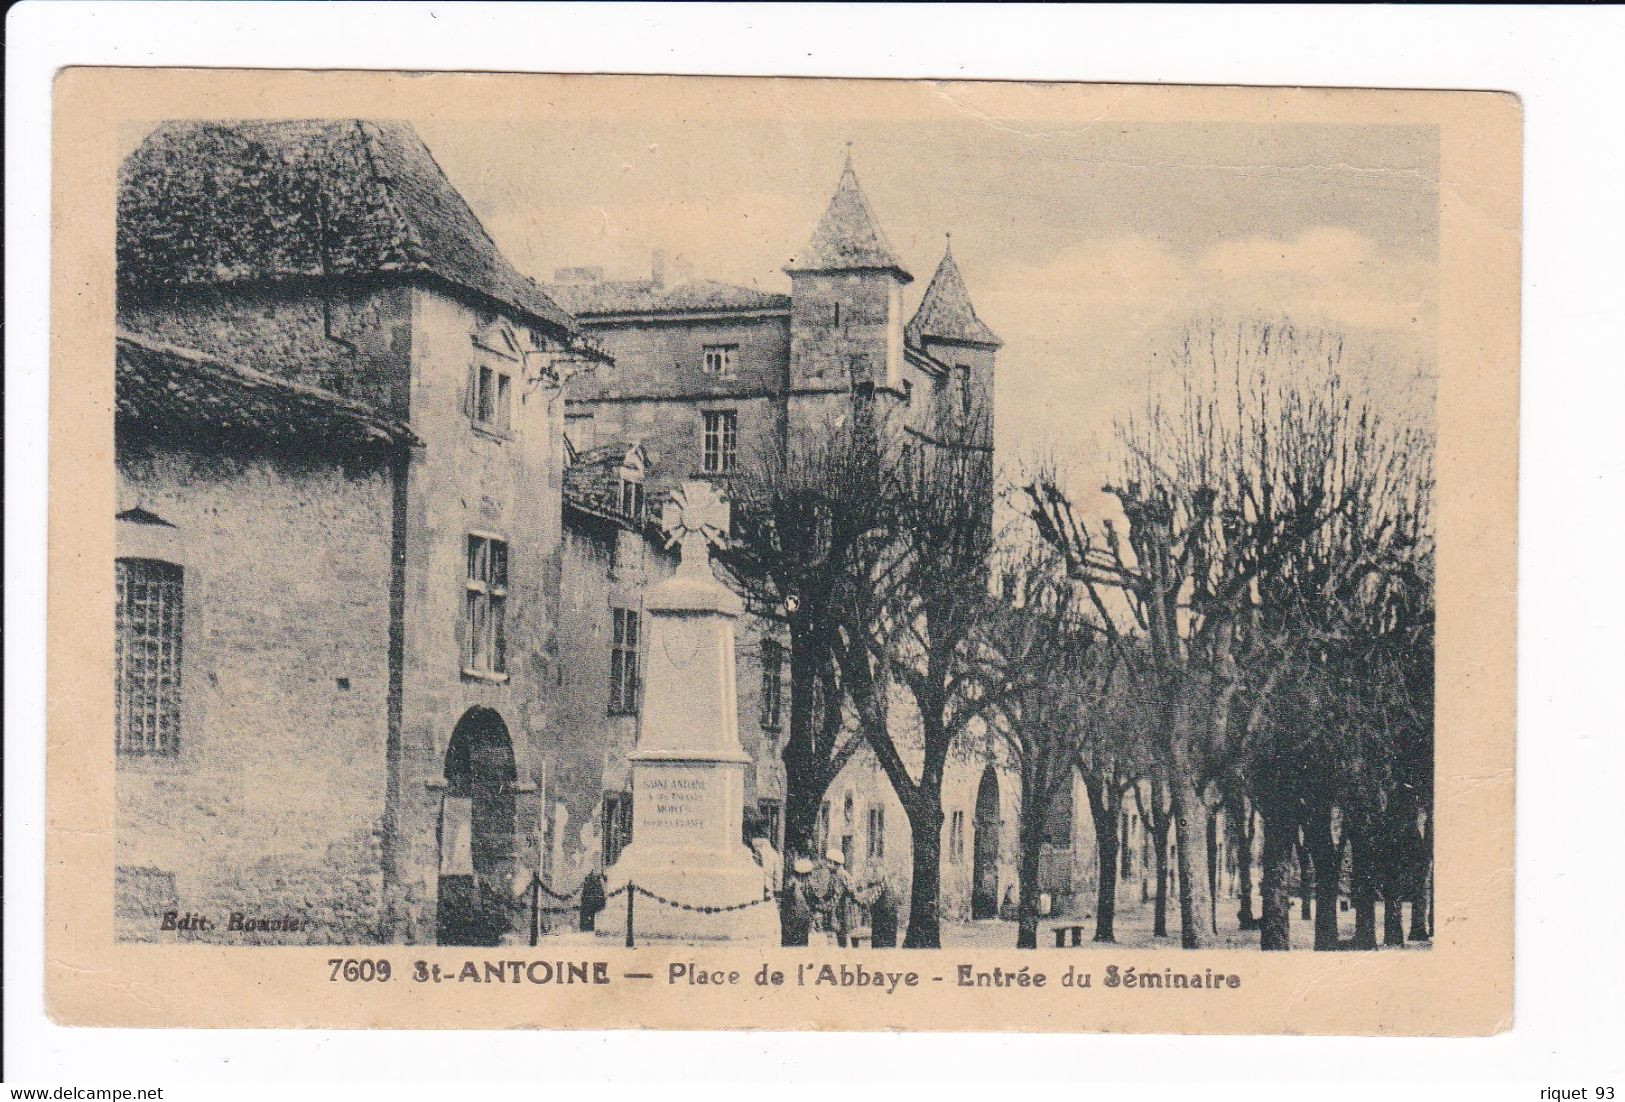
(623, 661)
(877, 833)
(964, 388)
(617, 826)
(632, 500)
(908, 392)
(485, 641)
(147, 656)
(489, 396)
(956, 838)
(719, 359)
(772, 813)
(772, 687)
(822, 840)
(721, 441)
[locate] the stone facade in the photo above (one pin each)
(793, 364)
(357, 475)
(272, 805)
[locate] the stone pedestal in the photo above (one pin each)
(688, 771)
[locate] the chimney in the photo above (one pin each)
(657, 268)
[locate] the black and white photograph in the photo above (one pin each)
(865, 533)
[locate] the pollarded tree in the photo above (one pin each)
(931, 584)
(1052, 671)
(1215, 489)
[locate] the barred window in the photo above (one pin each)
(623, 661)
(720, 442)
(772, 684)
(485, 639)
(147, 656)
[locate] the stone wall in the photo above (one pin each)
(868, 326)
(274, 804)
(608, 566)
(352, 339)
(465, 480)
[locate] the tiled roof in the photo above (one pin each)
(179, 392)
(225, 202)
(848, 237)
(592, 483)
(946, 311)
(643, 296)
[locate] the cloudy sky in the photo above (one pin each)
(1083, 246)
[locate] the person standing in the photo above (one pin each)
(837, 897)
(796, 904)
(592, 899)
(883, 916)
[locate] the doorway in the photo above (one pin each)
(475, 887)
(984, 891)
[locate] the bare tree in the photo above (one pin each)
(807, 514)
(1216, 490)
(932, 582)
(1053, 671)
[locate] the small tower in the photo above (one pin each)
(946, 328)
(846, 295)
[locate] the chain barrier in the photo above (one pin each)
(767, 897)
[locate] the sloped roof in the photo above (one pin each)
(177, 391)
(848, 237)
(644, 296)
(227, 202)
(592, 484)
(946, 311)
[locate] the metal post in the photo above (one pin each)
(631, 892)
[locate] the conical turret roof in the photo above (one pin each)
(946, 311)
(848, 237)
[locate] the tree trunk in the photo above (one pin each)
(804, 774)
(1213, 870)
(1190, 853)
(1275, 931)
(1159, 821)
(1364, 890)
(1393, 913)
(925, 894)
(1423, 883)
(1104, 815)
(1306, 874)
(1328, 857)
(1239, 820)
(1032, 840)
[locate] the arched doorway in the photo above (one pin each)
(984, 883)
(477, 832)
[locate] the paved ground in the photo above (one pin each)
(1132, 927)
(1133, 930)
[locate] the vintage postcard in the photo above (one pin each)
(687, 552)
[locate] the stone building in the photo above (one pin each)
(705, 377)
(340, 453)
(614, 551)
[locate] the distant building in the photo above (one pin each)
(705, 377)
(340, 455)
